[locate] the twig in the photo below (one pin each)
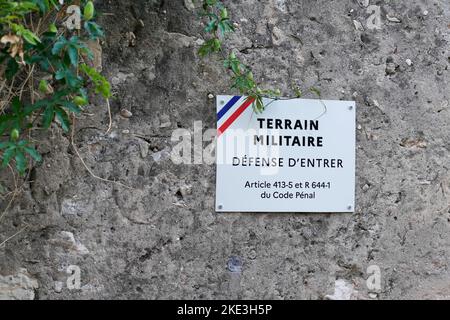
(109, 115)
(3, 84)
(30, 73)
(9, 204)
(10, 93)
(14, 235)
(84, 163)
(325, 109)
(14, 193)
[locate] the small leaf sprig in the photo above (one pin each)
(218, 25)
(45, 72)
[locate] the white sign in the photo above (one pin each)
(296, 156)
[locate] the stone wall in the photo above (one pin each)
(156, 234)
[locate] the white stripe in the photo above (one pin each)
(232, 109)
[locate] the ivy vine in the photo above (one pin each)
(46, 71)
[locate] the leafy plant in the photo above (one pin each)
(217, 27)
(219, 24)
(45, 72)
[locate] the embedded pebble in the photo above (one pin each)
(390, 68)
(393, 19)
(373, 295)
(126, 113)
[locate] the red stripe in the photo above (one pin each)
(235, 115)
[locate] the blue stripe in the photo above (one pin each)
(227, 107)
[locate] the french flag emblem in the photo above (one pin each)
(231, 111)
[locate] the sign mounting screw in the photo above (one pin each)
(222, 102)
(350, 108)
(349, 207)
(220, 207)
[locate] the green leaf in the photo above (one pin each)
(217, 45)
(204, 50)
(84, 94)
(21, 162)
(225, 26)
(33, 153)
(48, 116)
(224, 13)
(60, 74)
(258, 105)
(72, 80)
(59, 45)
(73, 55)
(7, 155)
(16, 105)
(30, 37)
(23, 32)
(43, 61)
(101, 84)
(235, 66)
(63, 118)
(315, 91)
(221, 28)
(42, 4)
(210, 2)
(22, 143)
(94, 30)
(4, 145)
(211, 26)
(71, 106)
(210, 46)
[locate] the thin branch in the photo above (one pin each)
(84, 163)
(14, 193)
(14, 235)
(109, 115)
(10, 94)
(30, 73)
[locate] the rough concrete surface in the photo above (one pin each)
(161, 238)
